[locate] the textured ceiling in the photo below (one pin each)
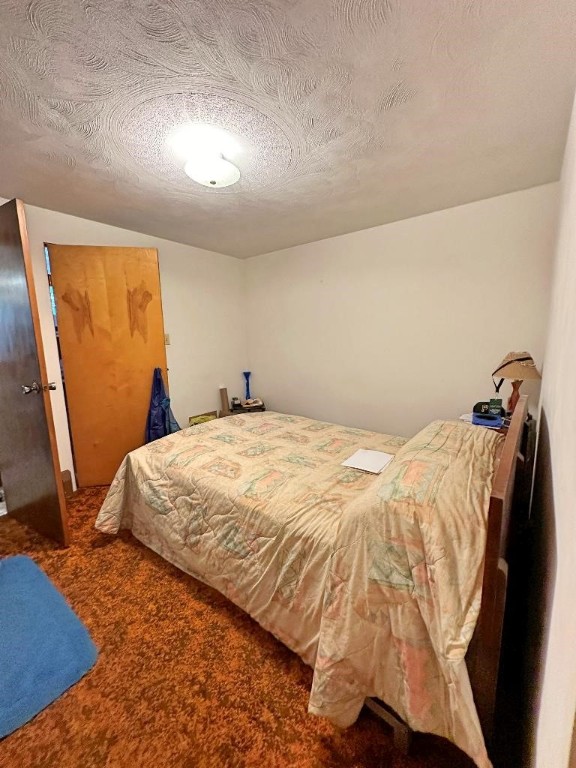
(350, 113)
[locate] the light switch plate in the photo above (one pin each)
(166, 338)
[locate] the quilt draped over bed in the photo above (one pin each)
(374, 580)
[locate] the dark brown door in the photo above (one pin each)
(29, 467)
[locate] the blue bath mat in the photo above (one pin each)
(44, 647)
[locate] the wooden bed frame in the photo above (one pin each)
(483, 656)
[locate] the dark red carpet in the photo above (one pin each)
(184, 678)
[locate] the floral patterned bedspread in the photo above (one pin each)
(374, 580)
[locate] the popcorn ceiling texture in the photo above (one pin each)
(350, 113)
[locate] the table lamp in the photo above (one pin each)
(516, 366)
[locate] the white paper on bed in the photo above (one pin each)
(369, 461)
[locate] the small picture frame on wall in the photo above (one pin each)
(201, 418)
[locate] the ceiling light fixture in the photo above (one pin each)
(208, 152)
(212, 171)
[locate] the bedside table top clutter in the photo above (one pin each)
(238, 405)
(248, 403)
(242, 406)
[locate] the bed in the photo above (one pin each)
(391, 586)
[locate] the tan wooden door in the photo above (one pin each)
(111, 334)
(29, 466)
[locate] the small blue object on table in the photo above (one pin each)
(247, 375)
(44, 647)
(487, 420)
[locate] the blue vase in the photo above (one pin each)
(247, 377)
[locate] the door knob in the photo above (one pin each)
(34, 387)
(50, 385)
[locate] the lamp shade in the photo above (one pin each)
(518, 366)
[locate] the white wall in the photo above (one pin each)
(386, 328)
(394, 326)
(203, 305)
(556, 505)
